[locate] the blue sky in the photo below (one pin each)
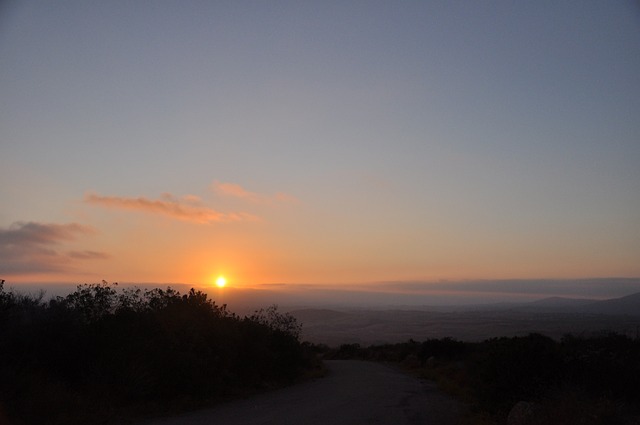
(337, 142)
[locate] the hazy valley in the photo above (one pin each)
(553, 317)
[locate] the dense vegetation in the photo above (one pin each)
(101, 354)
(577, 380)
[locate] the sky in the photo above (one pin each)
(326, 143)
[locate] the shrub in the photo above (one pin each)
(506, 370)
(445, 348)
(104, 353)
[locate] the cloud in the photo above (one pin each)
(38, 233)
(88, 255)
(188, 209)
(192, 199)
(236, 191)
(29, 247)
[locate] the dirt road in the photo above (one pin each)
(352, 393)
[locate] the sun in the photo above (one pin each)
(221, 282)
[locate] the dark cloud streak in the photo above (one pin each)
(88, 255)
(30, 247)
(38, 233)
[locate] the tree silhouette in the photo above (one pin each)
(100, 353)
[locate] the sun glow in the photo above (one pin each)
(221, 282)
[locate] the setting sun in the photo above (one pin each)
(221, 282)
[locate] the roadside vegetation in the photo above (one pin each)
(577, 380)
(104, 354)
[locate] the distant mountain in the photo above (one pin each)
(561, 303)
(629, 305)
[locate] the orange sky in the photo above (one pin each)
(319, 143)
(280, 239)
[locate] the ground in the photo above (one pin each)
(352, 393)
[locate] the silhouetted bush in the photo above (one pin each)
(99, 354)
(507, 370)
(604, 365)
(445, 348)
(348, 351)
(583, 380)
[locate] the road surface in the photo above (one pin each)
(352, 393)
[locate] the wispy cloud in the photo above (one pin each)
(88, 255)
(188, 209)
(237, 191)
(30, 247)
